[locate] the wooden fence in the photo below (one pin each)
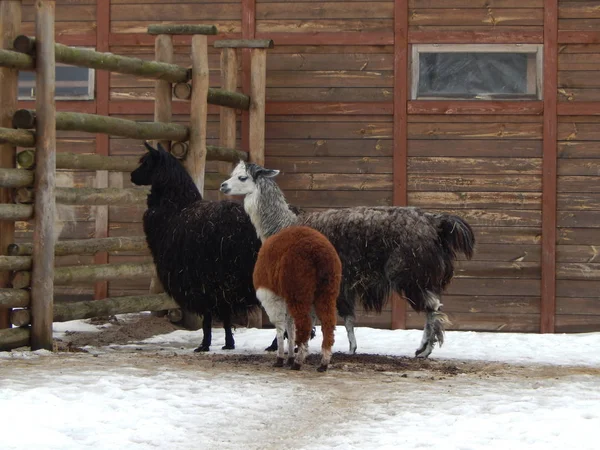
(29, 191)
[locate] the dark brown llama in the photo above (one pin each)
(298, 270)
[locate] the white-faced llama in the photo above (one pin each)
(299, 271)
(204, 252)
(382, 249)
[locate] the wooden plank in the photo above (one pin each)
(497, 269)
(579, 132)
(471, 183)
(475, 131)
(358, 60)
(332, 26)
(325, 10)
(346, 108)
(508, 235)
(333, 130)
(330, 165)
(479, 166)
(579, 107)
(469, 148)
(187, 11)
(577, 149)
(329, 147)
(507, 252)
(577, 288)
(579, 219)
(491, 304)
(523, 323)
(356, 37)
(501, 35)
(578, 37)
(495, 218)
(577, 323)
(578, 79)
(494, 286)
(578, 236)
(578, 271)
(474, 17)
(483, 200)
(581, 167)
(43, 239)
(474, 118)
(570, 305)
(578, 184)
(468, 4)
(568, 201)
(474, 107)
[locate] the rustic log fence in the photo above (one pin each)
(27, 178)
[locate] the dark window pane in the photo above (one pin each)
(70, 82)
(471, 74)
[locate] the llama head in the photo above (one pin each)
(150, 164)
(245, 178)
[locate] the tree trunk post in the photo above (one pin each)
(258, 84)
(10, 24)
(227, 131)
(42, 278)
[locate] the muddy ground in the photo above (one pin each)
(139, 328)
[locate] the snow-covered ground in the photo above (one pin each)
(540, 392)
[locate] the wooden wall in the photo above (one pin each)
(342, 129)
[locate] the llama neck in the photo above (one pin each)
(268, 210)
(176, 190)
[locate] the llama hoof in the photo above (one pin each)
(278, 363)
(424, 351)
(290, 361)
(322, 368)
(296, 366)
(228, 347)
(202, 348)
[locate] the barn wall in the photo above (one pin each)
(341, 129)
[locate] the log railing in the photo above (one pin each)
(28, 297)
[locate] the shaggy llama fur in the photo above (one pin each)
(382, 249)
(204, 252)
(297, 271)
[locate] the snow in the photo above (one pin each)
(123, 397)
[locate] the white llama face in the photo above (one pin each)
(240, 183)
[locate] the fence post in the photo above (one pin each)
(10, 24)
(42, 278)
(258, 86)
(227, 121)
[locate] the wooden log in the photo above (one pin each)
(21, 280)
(12, 338)
(82, 57)
(16, 60)
(15, 178)
(182, 91)
(15, 262)
(101, 196)
(230, 99)
(91, 123)
(231, 155)
(70, 275)
(20, 317)
(180, 150)
(110, 306)
(244, 43)
(42, 286)
(258, 77)
(86, 246)
(15, 212)
(22, 138)
(14, 298)
(76, 161)
(10, 23)
(195, 161)
(182, 29)
(163, 94)
(227, 125)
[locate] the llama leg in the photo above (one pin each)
(276, 310)
(435, 323)
(326, 311)
(303, 325)
(291, 336)
(349, 324)
(207, 333)
(229, 341)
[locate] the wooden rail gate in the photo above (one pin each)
(27, 178)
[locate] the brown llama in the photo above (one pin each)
(297, 271)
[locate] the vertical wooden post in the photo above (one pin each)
(195, 160)
(258, 88)
(400, 132)
(10, 27)
(227, 125)
(42, 277)
(549, 169)
(163, 107)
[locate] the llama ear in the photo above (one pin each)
(149, 147)
(269, 173)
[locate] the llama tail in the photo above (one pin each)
(456, 235)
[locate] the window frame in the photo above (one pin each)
(534, 49)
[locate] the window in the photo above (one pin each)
(477, 72)
(72, 83)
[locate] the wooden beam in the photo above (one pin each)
(81, 161)
(171, 29)
(195, 161)
(102, 218)
(42, 284)
(64, 312)
(14, 298)
(549, 168)
(86, 246)
(476, 37)
(328, 38)
(20, 317)
(12, 338)
(244, 43)
(21, 138)
(578, 37)
(12, 263)
(258, 89)
(579, 109)
(10, 24)
(145, 39)
(14, 213)
(400, 146)
(227, 122)
(15, 60)
(346, 108)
